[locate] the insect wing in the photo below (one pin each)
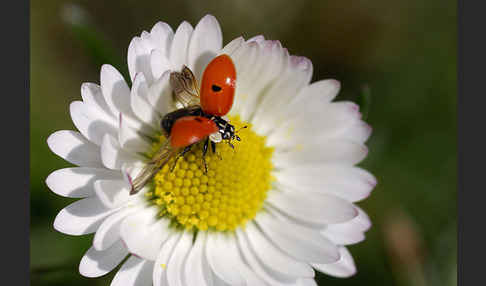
(185, 87)
(218, 86)
(163, 155)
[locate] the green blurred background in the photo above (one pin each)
(404, 51)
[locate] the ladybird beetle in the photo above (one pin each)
(198, 119)
(213, 100)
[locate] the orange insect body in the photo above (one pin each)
(218, 86)
(191, 129)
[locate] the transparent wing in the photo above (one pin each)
(185, 87)
(163, 155)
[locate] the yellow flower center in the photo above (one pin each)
(229, 194)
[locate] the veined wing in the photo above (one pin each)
(160, 158)
(185, 87)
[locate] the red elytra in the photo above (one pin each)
(218, 86)
(191, 129)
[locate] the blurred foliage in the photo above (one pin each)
(404, 52)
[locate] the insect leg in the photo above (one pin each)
(186, 149)
(231, 145)
(213, 147)
(205, 150)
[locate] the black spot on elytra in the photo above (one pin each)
(216, 88)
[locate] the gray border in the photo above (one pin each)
(15, 210)
(471, 141)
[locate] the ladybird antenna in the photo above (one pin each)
(235, 136)
(243, 127)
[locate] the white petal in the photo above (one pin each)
(112, 193)
(251, 259)
(315, 208)
(257, 38)
(113, 156)
(159, 63)
(350, 232)
(162, 35)
(78, 182)
(140, 105)
(91, 123)
(131, 171)
(251, 278)
(275, 259)
(324, 90)
(206, 41)
(81, 217)
(197, 270)
(301, 243)
(74, 148)
(132, 56)
(362, 221)
(349, 183)
(175, 275)
(163, 256)
(331, 151)
(130, 140)
(180, 45)
(135, 271)
(98, 263)
(316, 95)
(92, 95)
(139, 58)
(269, 67)
(160, 94)
(345, 267)
(343, 234)
(332, 121)
(248, 60)
(109, 231)
(220, 253)
(232, 46)
(218, 282)
(296, 76)
(358, 132)
(143, 232)
(115, 90)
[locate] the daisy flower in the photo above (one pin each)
(270, 212)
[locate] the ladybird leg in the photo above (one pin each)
(231, 145)
(213, 147)
(205, 147)
(186, 149)
(205, 150)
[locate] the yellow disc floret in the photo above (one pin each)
(229, 194)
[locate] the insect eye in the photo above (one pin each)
(215, 88)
